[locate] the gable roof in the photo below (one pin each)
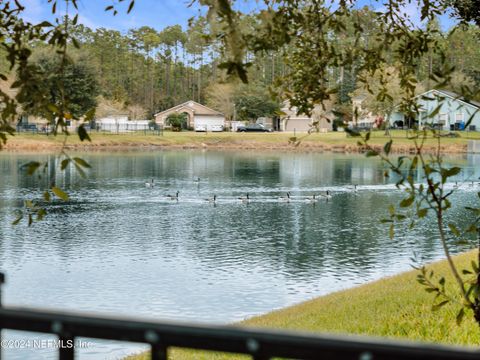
(196, 107)
(454, 96)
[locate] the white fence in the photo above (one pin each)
(122, 125)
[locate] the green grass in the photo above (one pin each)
(396, 307)
(228, 139)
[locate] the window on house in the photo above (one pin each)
(442, 119)
(459, 117)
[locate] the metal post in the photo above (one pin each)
(2, 281)
(159, 352)
(67, 348)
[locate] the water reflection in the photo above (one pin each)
(122, 248)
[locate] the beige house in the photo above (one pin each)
(199, 117)
(292, 121)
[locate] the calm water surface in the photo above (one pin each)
(121, 248)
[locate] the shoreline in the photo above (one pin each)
(316, 143)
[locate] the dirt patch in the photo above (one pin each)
(237, 144)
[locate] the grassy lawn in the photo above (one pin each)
(395, 307)
(227, 139)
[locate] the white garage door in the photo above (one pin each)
(209, 123)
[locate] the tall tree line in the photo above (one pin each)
(158, 69)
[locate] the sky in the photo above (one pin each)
(154, 13)
(162, 13)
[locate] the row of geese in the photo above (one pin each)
(151, 184)
(246, 199)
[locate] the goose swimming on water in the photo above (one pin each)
(285, 198)
(327, 195)
(244, 199)
(150, 184)
(212, 199)
(312, 199)
(173, 197)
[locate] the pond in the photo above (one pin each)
(120, 247)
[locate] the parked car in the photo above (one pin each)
(216, 128)
(253, 128)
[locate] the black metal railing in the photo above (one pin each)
(259, 344)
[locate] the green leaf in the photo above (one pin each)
(428, 169)
(466, 272)
(80, 171)
(82, 133)
(472, 228)
(387, 147)
(352, 132)
(60, 193)
(475, 210)
(391, 232)
(439, 305)
(421, 213)
(31, 167)
(446, 173)
(130, 7)
(81, 162)
(46, 196)
(460, 316)
(44, 24)
(414, 163)
(454, 229)
(435, 111)
(407, 202)
(90, 114)
(53, 108)
(475, 266)
(64, 164)
(17, 219)
(391, 210)
(40, 214)
(470, 119)
(75, 43)
(371, 153)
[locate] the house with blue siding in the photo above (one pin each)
(444, 110)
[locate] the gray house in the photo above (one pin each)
(444, 110)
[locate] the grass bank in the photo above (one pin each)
(395, 307)
(333, 141)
